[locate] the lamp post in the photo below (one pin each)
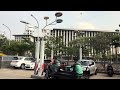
(80, 46)
(42, 46)
(58, 14)
(9, 30)
(37, 50)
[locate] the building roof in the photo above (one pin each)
(23, 35)
(93, 30)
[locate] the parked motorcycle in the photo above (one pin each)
(110, 71)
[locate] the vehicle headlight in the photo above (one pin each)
(86, 69)
(27, 65)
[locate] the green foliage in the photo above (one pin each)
(3, 42)
(101, 43)
(16, 47)
(116, 40)
(56, 43)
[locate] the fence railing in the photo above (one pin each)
(115, 65)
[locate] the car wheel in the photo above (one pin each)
(96, 72)
(22, 66)
(15, 67)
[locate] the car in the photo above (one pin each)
(31, 64)
(90, 65)
(20, 61)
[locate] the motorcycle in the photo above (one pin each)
(110, 71)
(66, 74)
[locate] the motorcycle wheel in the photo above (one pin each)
(110, 73)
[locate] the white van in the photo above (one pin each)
(20, 61)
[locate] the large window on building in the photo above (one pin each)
(65, 38)
(56, 33)
(59, 33)
(71, 34)
(68, 36)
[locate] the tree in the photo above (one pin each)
(56, 43)
(73, 49)
(116, 43)
(22, 48)
(3, 43)
(101, 45)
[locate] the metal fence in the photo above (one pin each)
(5, 61)
(115, 65)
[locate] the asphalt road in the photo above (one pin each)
(104, 76)
(15, 74)
(26, 74)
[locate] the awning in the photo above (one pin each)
(2, 54)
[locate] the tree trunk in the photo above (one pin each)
(116, 54)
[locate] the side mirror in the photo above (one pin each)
(90, 64)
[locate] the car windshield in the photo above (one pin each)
(84, 63)
(17, 58)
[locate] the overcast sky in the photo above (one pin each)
(95, 20)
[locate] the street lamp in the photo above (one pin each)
(58, 14)
(28, 26)
(42, 46)
(9, 30)
(25, 23)
(37, 50)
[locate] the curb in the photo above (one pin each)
(37, 77)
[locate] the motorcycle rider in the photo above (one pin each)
(77, 69)
(53, 67)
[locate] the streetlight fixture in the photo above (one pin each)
(58, 14)
(25, 23)
(43, 41)
(46, 18)
(9, 30)
(28, 23)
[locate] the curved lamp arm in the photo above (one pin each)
(49, 24)
(36, 20)
(8, 29)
